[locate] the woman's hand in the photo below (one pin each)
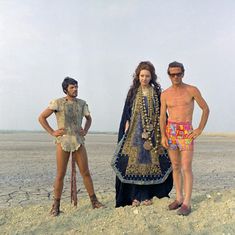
(127, 126)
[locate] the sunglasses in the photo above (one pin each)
(175, 74)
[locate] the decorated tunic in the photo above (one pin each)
(139, 157)
(69, 115)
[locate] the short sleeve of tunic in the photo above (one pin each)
(86, 110)
(53, 105)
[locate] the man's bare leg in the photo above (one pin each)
(62, 158)
(177, 175)
(186, 161)
(82, 162)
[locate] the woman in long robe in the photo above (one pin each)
(142, 166)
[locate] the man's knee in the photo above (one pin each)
(86, 174)
(176, 167)
(187, 167)
(60, 176)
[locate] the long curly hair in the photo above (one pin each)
(144, 65)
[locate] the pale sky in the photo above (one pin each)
(100, 43)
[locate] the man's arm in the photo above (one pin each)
(43, 121)
(164, 140)
(87, 125)
(205, 113)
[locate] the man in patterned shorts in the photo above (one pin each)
(178, 134)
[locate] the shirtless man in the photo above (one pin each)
(69, 136)
(178, 134)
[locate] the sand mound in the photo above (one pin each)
(212, 213)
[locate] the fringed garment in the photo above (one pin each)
(69, 115)
(142, 173)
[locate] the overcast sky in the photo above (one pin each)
(100, 43)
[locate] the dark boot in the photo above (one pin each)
(55, 210)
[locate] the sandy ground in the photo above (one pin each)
(27, 171)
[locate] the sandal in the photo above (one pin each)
(55, 210)
(184, 210)
(147, 202)
(174, 205)
(95, 203)
(135, 202)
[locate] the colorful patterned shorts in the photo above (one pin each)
(177, 133)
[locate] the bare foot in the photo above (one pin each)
(95, 203)
(55, 210)
(147, 202)
(135, 202)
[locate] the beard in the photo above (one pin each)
(73, 94)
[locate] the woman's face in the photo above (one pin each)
(144, 78)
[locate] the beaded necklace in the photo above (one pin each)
(150, 117)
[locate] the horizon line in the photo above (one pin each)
(206, 133)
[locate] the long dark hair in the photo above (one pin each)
(144, 65)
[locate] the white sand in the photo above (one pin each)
(27, 173)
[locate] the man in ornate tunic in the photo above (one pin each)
(69, 113)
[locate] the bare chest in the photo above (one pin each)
(179, 99)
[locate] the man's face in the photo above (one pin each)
(72, 90)
(176, 75)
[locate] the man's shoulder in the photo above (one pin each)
(192, 90)
(80, 101)
(56, 100)
(63, 99)
(190, 87)
(60, 99)
(165, 92)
